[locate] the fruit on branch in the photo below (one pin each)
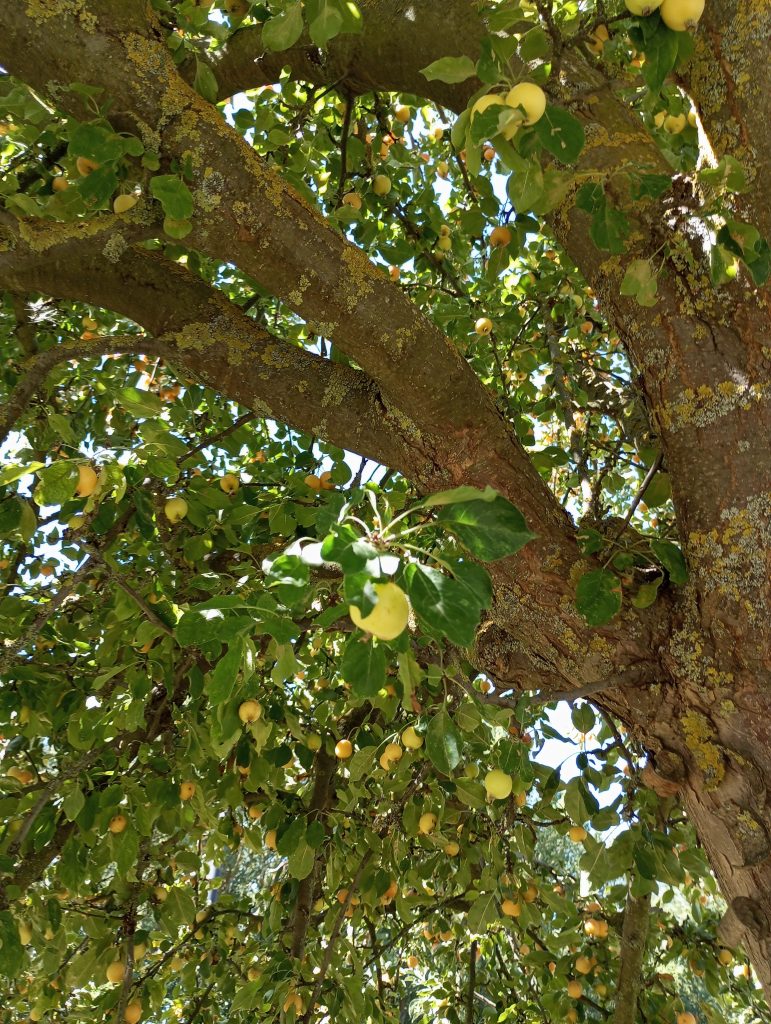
(389, 616)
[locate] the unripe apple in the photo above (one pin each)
(313, 741)
(186, 790)
(443, 169)
(390, 615)
(402, 113)
(25, 933)
(352, 199)
(117, 823)
(175, 509)
(483, 326)
(87, 480)
(681, 15)
(124, 203)
(60, 183)
(161, 893)
(492, 99)
(393, 753)
(452, 849)
(343, 749)
(255, 812)
(249, 711)
(411, 739)
(531, 98)
(725, 956)
(381, 185)
(229, 483)
(444, 243)
(427, 823)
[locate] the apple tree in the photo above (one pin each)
(384, 511)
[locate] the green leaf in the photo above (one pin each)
(73, 803)
(11, 949)
(96, 143)
(671, 557)
(482, 914)
(56, 483)
(583, 718)
(285, 29)
(222, 680)
(598, 596)
(248, 996)
(450, 70)
(525, 184)
(658, 491)
(300, 862)
(609, 228)
(729, 173)
(443, 743)
(290, 839)
(205, 82)
(173, 195)
(661, 50)
(176, 228)
(647, 593)
(443, 605)
(561, 134)
(364, 667)
(641, 282)
(9, 474)
(534, 44)
(139, 403)
(460, 494)
(489, 529)
(326, 25)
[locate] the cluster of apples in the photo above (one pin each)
(176, 508)
(679, 15)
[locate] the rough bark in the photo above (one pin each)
(691, 677)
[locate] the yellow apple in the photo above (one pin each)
(117, 823)
(681, 15)
(87, 479)
(60, 183)
(186, 790)
(402, 113)
(352, 199)
(133, 1012)
(427, 823)
(484, 325)
(343, 749)
(270, 839)
(500, 236)
(229, 483)
(115, 971)
(452, 849)
(389, 617)
(577, 834)
(313, 741)
(511, 908)
(642, 7)
(575, 989)
(175, 509)
(531, 98)
(498, 784)
(249, 711)
(410, 738)
(122, 204)
(25, 933)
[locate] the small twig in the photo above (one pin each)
(638, 497)
(150, 614)
(247, 417)
(344, 149)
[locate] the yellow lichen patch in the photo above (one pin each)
(336, 389)
(705, 405)
(731, 559)
(701, 739)
(197, 336)
(43, 10)
(359, 274)
(114, 248)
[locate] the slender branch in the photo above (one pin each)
(334, 936)
(150, 614)
(247, 417)
(634, 937)
(472, 980)
(639, 496)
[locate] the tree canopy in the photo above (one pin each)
(384, 511)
